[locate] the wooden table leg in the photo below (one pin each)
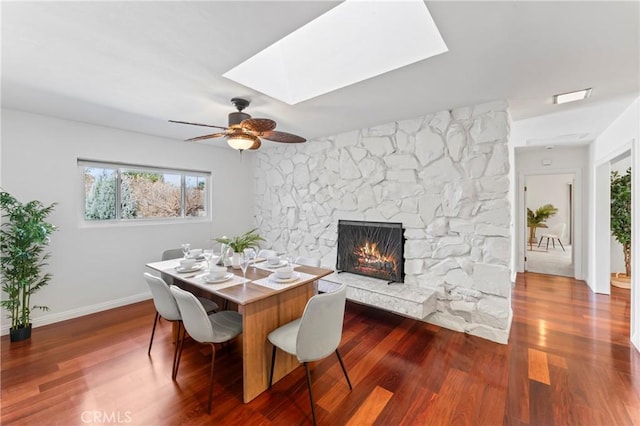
(258, 320)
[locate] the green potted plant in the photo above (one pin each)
(24, 233)
(536, 219)
(621, 220)
(249, 239)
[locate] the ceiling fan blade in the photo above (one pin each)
(212, 136)
(258, 125)
(196, 124)
(282, 137)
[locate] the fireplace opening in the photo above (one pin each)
(374, 249)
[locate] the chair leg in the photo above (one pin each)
(213, 358)
(561, 244)
(174, 368)
(553, 241)
(540, 241)
(344, 370)
(153, 331)
(273, 363)
(547, 243)
(175, 372)
(313, 409)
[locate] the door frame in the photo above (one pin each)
(578, 223)
(600, 272)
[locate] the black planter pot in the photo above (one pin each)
(20, 333)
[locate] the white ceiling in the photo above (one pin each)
(135, 65)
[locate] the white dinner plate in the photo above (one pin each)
(227, 277)
(294, 277)
(181, 270)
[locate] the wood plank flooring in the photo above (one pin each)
(568, 362)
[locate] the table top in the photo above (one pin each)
(258, 286)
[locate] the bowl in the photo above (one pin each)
(274, 260)
(187, 263)
(217, 272)
(284, 273)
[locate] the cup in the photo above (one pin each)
(217, 272)
(284, 272)
(273, 260)
(187, 263)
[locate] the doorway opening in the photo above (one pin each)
(549, 243)
(618, 261)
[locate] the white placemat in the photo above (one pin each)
(235, 280)
(268, 282)
(265, 266)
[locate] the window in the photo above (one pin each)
(114, 192)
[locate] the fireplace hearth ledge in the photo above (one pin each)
(403, 299)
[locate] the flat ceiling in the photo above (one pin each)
(135, 65)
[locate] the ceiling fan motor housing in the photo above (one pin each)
(237, 117)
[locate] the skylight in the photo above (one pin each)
(571, 96)
(352, 42)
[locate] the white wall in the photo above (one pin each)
(621, 136)
(96, 268)
(564, 160)
(443, 175)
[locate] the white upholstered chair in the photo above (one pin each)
(170, 254)
(266, 253)
(219, 327)
(556, 232)
(167, 308)
(308, 261)
(314, 336)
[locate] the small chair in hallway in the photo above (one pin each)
(314, 336)
(219, 327)
(556, 232)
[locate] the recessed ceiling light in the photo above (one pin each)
(352, 42)
(571, 96)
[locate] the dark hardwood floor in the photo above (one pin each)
(568, 362)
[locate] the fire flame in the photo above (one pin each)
(371, 256)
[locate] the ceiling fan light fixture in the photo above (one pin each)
(241, 141)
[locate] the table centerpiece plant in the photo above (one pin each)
(249, 239)
(24, 233)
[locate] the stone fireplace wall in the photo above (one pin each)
(443, 175)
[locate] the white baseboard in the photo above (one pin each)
(79, 312)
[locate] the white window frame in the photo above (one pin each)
(123, 167)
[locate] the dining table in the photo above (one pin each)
(265, 304)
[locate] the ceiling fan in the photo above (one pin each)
(245, 132)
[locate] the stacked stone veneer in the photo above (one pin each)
(443, 175)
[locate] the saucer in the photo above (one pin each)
(294, 277)
(194, 268)
(227, 277)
